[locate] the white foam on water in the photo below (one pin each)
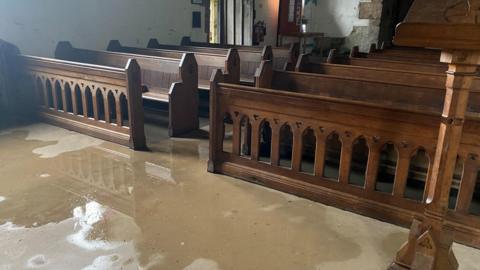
(2, 199)
(85, 219)
(37, 261)
(203, 264)
(45, 175)
(104, 263)
(9, 226)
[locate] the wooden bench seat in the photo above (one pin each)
(207, 62)
(323, 114)
(100, 101)
(167, 80)
(250, 59)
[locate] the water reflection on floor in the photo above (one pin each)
(68, 201)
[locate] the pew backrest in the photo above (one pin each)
(250, 58)
(158, 73)
(409, 77)
(398, 94)
(207, 62)
(284, 58)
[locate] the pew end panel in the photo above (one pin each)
(16, 103)
(249, 62)
(153, 43)
(135, 106)
(65, 51)
(186, 41)
(114, 45)
(232, 66)
(183, 99)
(264, 74)
(215, 130)
(303, 63)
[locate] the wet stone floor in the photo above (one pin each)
(69, 201)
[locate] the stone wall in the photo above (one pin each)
(357, 21)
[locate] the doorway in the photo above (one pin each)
(231, 21)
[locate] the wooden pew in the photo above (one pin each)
(413, 95)
(100, 101)
(409, 77)
(207, 62)
(403, 54)
(284, 58)
(401, 64)
(247, 125)
(250, 59)
(166, 80)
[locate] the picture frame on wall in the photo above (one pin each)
(197, 2)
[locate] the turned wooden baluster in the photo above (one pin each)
(345, 158)
(256, 122)
(298, 130)
(64, 97)
(119, 110)
(275, 157)
(84, 102)
(54, 93)
(96, 115)
(375, 149)
(108, 109)
(74, 100)
(236, 138)
(44, 91)
(321, 137)
(401, 174)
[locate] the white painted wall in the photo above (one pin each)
(335, 18)
(36, 26)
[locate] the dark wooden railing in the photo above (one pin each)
(368, 158)
(100, 101)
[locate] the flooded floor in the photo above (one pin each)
(69, 201)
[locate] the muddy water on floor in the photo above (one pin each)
(68, 201)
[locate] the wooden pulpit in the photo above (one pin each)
(454, 27)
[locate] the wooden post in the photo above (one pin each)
(135, 106)
(215, 120)
(429, 246)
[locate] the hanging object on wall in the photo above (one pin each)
(259, 32)
(311, 1)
